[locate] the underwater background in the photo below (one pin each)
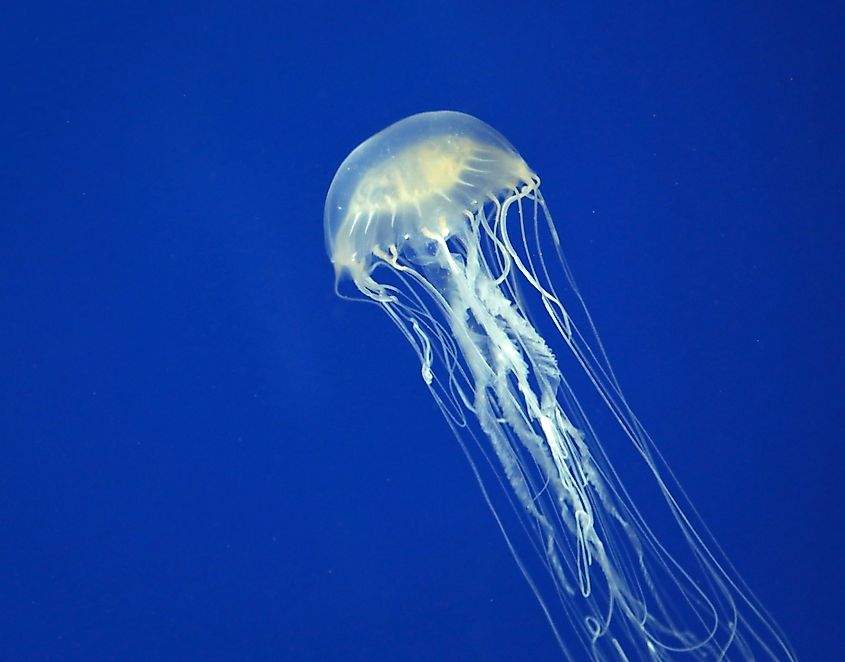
(205, 454)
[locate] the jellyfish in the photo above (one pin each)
(440, 222)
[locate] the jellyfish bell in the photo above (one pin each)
(440, 221)
(422, 176)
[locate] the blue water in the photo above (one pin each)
(204, 454)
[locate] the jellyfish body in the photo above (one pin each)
(440, 221)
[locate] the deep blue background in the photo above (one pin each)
(205, 455)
